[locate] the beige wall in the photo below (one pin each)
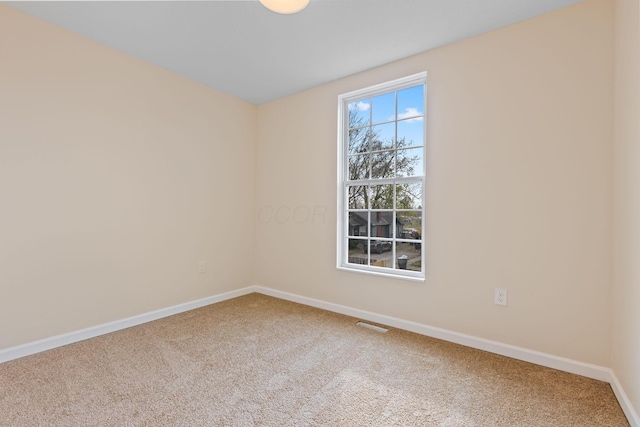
(519, 182)
(116, 178)
(626, 302)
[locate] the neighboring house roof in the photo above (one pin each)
(357, 219)
(380, 218)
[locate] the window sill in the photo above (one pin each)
(413, 278)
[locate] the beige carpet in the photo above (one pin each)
(261, 361)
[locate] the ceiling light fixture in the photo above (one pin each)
(286, 7)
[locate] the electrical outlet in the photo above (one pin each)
(202, 267)
(500, 296)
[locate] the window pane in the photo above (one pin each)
(357, 197)
(359, 140)
(383, 136)
(409, 225)
(381, 253)
(358, 252)
(383, 108)
(409, 196)
(359, 112)
(411, 102)
(359, 166)
(409, 256)
(382, 196)
(382, 224)
(382, 164)
(410, 133)
(410, 162)
(358, 223)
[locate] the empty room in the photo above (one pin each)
(322, 213)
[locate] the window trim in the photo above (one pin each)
(342, 181)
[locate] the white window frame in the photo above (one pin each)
(343, 182)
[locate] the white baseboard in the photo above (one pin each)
(543, 359)
(94, 331)
(563, 364)
(560, 363)
(624, 401)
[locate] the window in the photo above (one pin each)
(381, 178)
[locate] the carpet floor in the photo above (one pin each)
(261, 361)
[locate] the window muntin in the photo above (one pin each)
(381, 179)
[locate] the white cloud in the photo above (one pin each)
(360, 106)
(410, 112)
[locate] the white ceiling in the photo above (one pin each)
(243, 49)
